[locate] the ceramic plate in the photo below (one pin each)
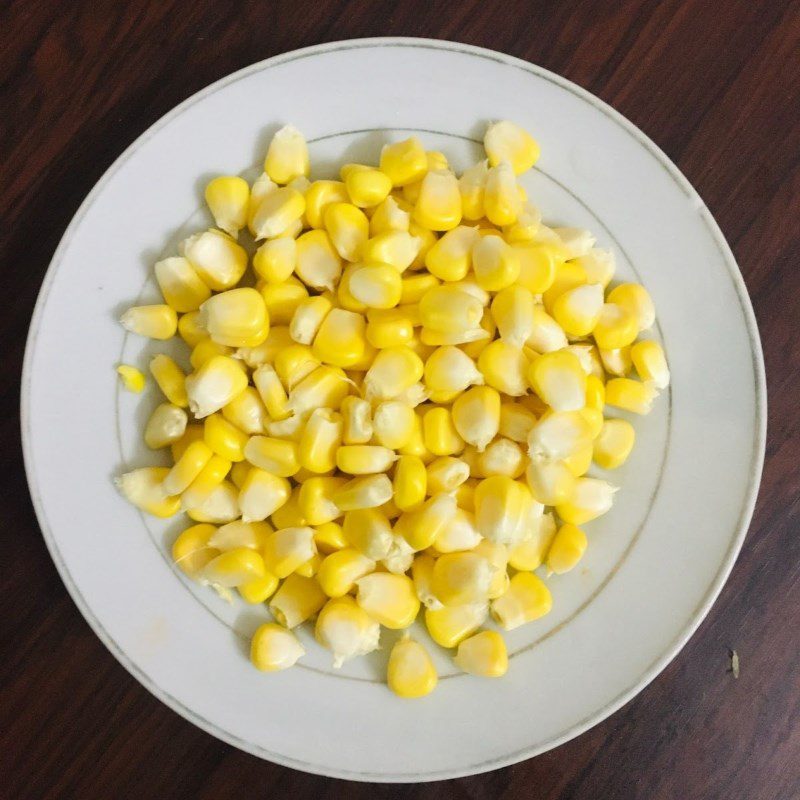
(655, 563)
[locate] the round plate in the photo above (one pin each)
(655, 563)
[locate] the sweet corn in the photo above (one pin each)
(630, 395)
(459, 534)
(512, 309)
(319, 196)
(410, 672)
(262, 494)
(651, 364)
(559, 434)
(576, 242)
(503, 367)
(277, 456)
(341, 338)
(393, 371)
(287, 155)
(348, 228)
(224, 438)
(526, 226)
(440, 433)
(388, 598)
(516, 422)
(180, 285)
(275, 260)
(234, 568)
(289, 514)
(438, 206)
(396, 248)
(410, 482)
(315, 499)
(614, 443)
(318, 262)
(247, 412)
(261, 187)
(616, 327)
(472, 185)
(329, 538)
(282, 299)
(495, 263)
(298, 599)
(483, 654)
(446, 474)
(277, 338)
(156, 321)
(144, 488)
(450, 625)
(590, 498)
(530, 554)
(569, 275)
(210, 477)
(205, 350)
(390, 327)
(340, 570)
(506, 141)
(236, 318)
(190, 330)
(502, 507)
(241, 534)
(294, 363)
(421, 575)
(550, 482)
(369, 491)
(273, 648)
(345, 629)
(526, 599)
(191, 551)
(635, 299)
(271, 391)
(404, 162)
(566, 550)
(547, 335)
(319, 441)
(366, 186)
(228, 198)
(502, 457)
(216, 257)
(388, 216)
(194, 432)
(362, 459)
(578, 310)
(578, 463)
(537, 266)
(421, 526)
(449, 370)
(220, 505)
(308, 318)
(599, 266)
(286, 549)
(476, 415)
(501, 200)
(214, 385)
(325, 387)
(166, 425)
(376, 285)
(259, 590)
(393, 422)
(450, 258)
(558, 378)
(460, 579)
(357, 420)
(187, 468)
(415, 287)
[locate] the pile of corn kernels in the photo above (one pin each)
(393, 404)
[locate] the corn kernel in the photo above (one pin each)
(390, 327)
(275, 260)
(547, 335)
(559, 434)
(247, 412)
(318, 262)
(636, 299)
(224, 438)
(599, 266)
(421, 526)
(277, 456)
(440, 434)
(451, 257)
(369, 491)
(410, 672)
(366, 186)
(393, 423)
(589, 499)
(216, 257)
(166, 425)
(449, 371)
(460, 579)
(362, 459)
(320, 195)
(516, 422)
(287, 155)
(450, 625)
(578, 310)
(236, 318)
(273, 648)
(376, 285)
(220, 505)
(262, 494)
(530, 554)
(512, 309)
(569, 275)
(319, 441)
(394, 370)
(525, 227)
(550, 482)
(502, 508)
(476, 415)
(438, 206)
(261, 187)
(388, 216)
(567, 549)
(537, 266)
(345, 629)
(422, 575)
(282, 299)
(578, 463)
(506, 141)
(410, 482)
(193, 433)
(234, 568)
(205, 350)
(616, 327)
(404, 162)
(483, 654)
(187, 468)
(191, 551)
(357, 420)
(286, 549)
(614, 444)
(298, 599)
(496, 264)
(144, 488)
(501, 200)
(396, 248)
(390, 599)
(259, 590)
(190, 330)
(446, 474)
(502, 457)
(348, 228)
(630, 395)
(503, 366)
(156, 321)
(415, 287)
(294, 363)
(180, 285)
(214, 385)
(341, 338)
(316, 499)
(340, 570)
(329, 538)
(271, 391)
(202, 487)
(576, 242)
(228, 198)
(241, 534)
(289, 514)
(558, 378)
(458, 534)
(526, 599)
(277, 338)
(309, 568)
(651, 365)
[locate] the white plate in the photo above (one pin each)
(655, 563)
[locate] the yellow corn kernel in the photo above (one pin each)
(340, 570)
(388, 216)
(259, 590)
(156, 321)
(144, 488)
(472, 186)
(271, 391)
(261, 187)
(216, 257)
(421, 575)
(241, 534)
(308, 318)
(282, 299)
(578, 463)
(590, 498)
(614, 444)
(191, 551)
(512, 309)
(404, 162)
(410, 672)
(537, 266)
(275, 260)
(396, 248)
(389, 328)
(578, 310)
(415, 287)
(559, 434)
(298, 599)
(273, 648)
(166, 425)
(180, 285)
(630, 395)
(502, 457)
(220, 505)
(506, 141)
(357, 420)
(393, 422)
(410, 482)
(531, 553)
(318, 263)
(566, 550)
(329, 538)
(569, 275)
(421, 526)
(516, 422)
(438, 206)
(483, 654)
(617, 362)
(247, 412)
(502, 508)
(214, 385)
(547, 335)
(277, 456)
(366, 186)
(460, 579)
(205, 350)
(651, 365)
(559, 380)
(446, 474)
(449, 371)
(393, 371)
(362, 459)
(234, 568)
(236, 318)
(228, 198)
(450, 258)
(501, 199)
(348, 228)
(320, 195)
(344, 296)
(503, 367)
(459, 534)
(495, 263)
(289, 514)
(224, 438)
(450, 625)
(286, 549)
(190, 329)
(310, 568)
(132, 379)
(319, 441)
(595, 392)
(526, 599)
(440, 433)
(325, 387)
(388, 598)
(369, 491)
(550, 482)
(465, 494)
(476, 415)
(635, 299)
(616, 327)
(345, 629)
(277, 339)
(210, 477)
(341, 338)
(376, 285)
(526, 226)
(427, 239)
(187, 467)
(239, 472)
(287, 155)
(262, 494)
(294, 363)
(599, 266)
(576, 242)
(316, 499)
(497, 556)
(193, 433)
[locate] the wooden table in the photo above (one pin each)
(715, 84)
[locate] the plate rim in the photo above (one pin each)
(760, 417)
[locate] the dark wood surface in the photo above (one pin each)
(715, 84)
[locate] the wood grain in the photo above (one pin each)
(715, 84)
